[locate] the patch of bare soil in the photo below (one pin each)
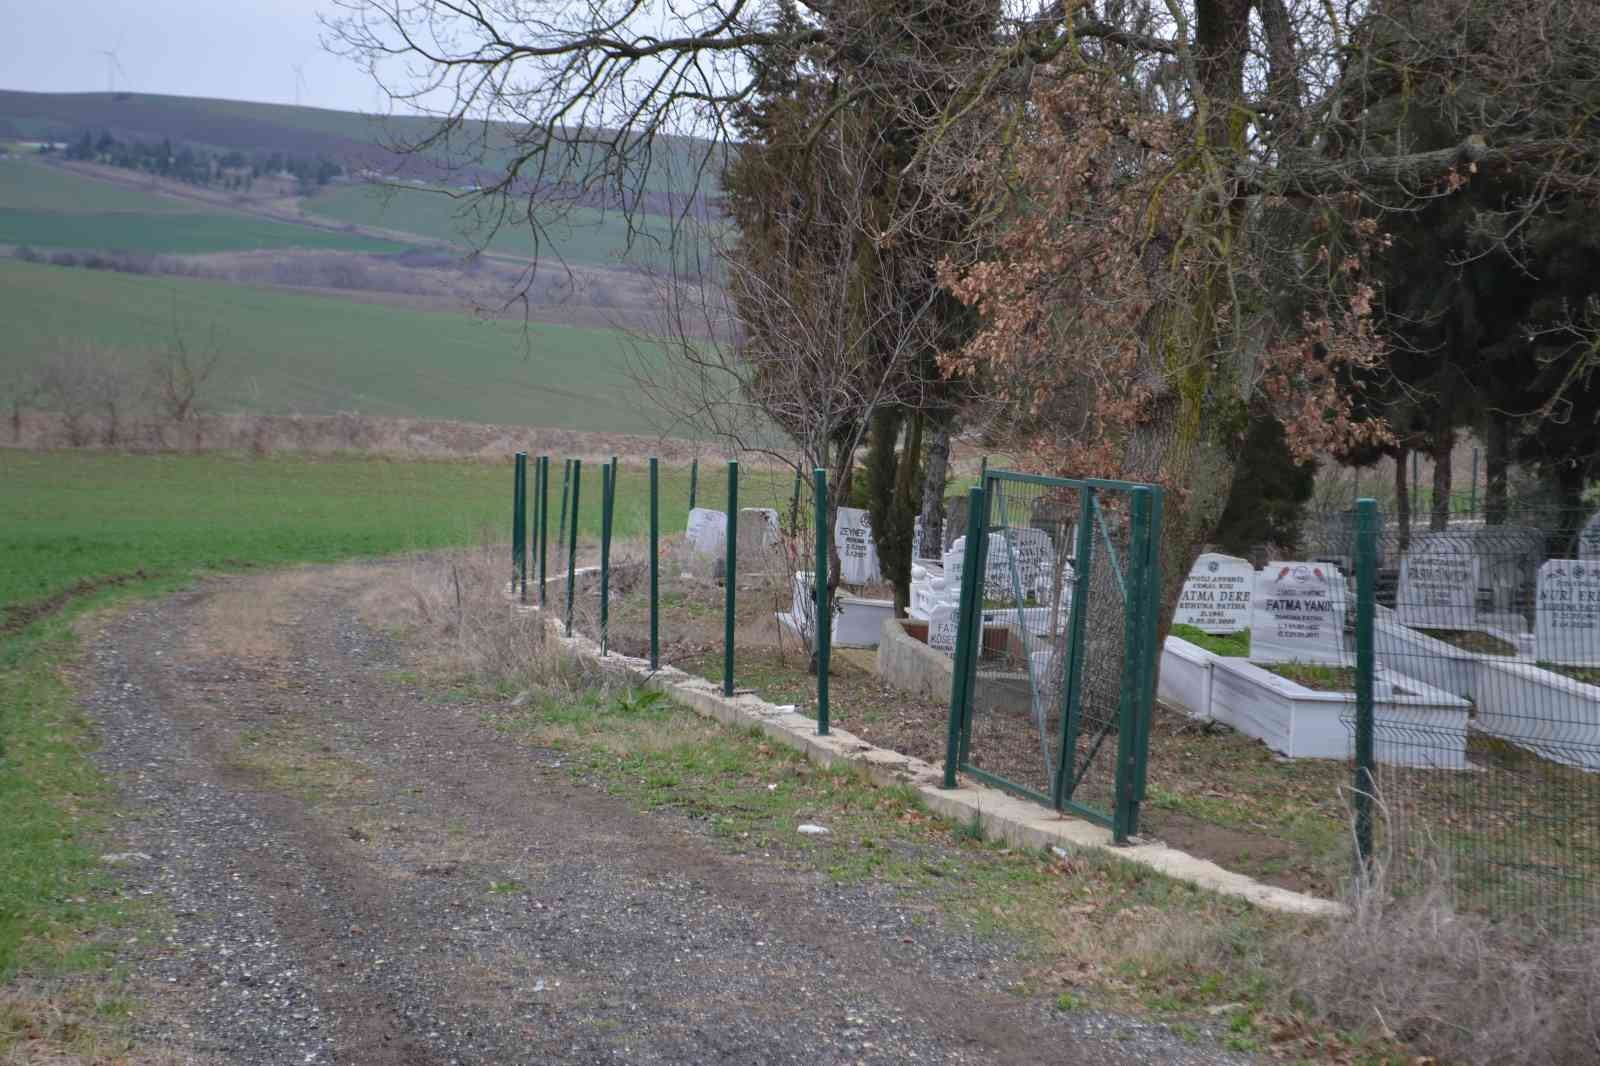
(361, 868)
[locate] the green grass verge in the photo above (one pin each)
(1232, 645)
(289, 351)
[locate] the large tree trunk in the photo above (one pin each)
(1443, 445)
(935, 470)
(889, 483)
(1497, 463)
(1402, 498)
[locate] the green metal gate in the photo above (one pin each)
(1054, 671)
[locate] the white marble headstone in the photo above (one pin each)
(1589, 539)
(707, 530)
(1438, 587)
(858, 556)
(1566, 627)
(1297, 614)
(942, 628)
(1216, 597)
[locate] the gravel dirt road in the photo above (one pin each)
(357, 873)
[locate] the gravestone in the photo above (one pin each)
(707, 530)
(1589, 539)
(1216, 597)
(858, 557)
(942, 628)
(1566, 626)
(1297, 614)
(1439, 581)
(758, 530)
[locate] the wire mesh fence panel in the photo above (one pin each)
(1059, 659)
(1486, 707)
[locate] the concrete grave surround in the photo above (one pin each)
(1216, 597)
(1567, 616)
(1297, 614)
(1439, 588)
(857, 621)
(858, 556)
(1418, 725)
(707, 530)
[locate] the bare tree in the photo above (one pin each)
(179, 374)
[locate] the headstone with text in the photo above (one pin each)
(1589, 539)
(942, 628)
(1216, 597)
(858, 557)
(1297, 614)
(707, 530)
(1438, 586)
(1566, 626)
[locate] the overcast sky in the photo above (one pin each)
(236, 49)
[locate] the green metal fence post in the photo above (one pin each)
(1472, 505)
(694, 480)
(794, 506)
(608, 490)
(1125, 813)
(535, 522)
(1072, 682)
(819, 574)
(730, 554)
(572, 542)
(1152, 654)
(980, 569)
(519, 471)
(544, 523)
(1365, 771)
(566, 486)
(968, 612)
(655, 567)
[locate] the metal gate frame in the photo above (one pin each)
(1140, 586)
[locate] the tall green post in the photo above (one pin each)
(655, 567)
(566, 487)
(544, 523)
(1136, 580)
(519, 488)
(694, 480)
(608, 490)
(1366, 664)
(730, 576)
(794, 506)
(572, 542)
(824, 626)
(969, 628)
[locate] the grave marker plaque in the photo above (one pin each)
(942, 628)
(858, 557)
(1216, 597)
(1566, 626)
(1297, 614)
(1438, 588)
(707, 530)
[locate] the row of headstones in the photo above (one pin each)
(1295, 610)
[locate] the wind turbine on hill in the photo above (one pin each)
(113, 64)
(299, 82)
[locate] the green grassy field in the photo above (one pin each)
(287, 351)
(49, 208)
(31, 186)
(586, 238)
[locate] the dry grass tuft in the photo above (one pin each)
(1412, 967)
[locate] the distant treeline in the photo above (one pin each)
(196, 166)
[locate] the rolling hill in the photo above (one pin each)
(285, 351)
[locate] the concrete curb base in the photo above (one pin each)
(1001, 816)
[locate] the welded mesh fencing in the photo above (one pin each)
(1484, 721)
(1055, 666)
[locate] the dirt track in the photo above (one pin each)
(359, 874)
